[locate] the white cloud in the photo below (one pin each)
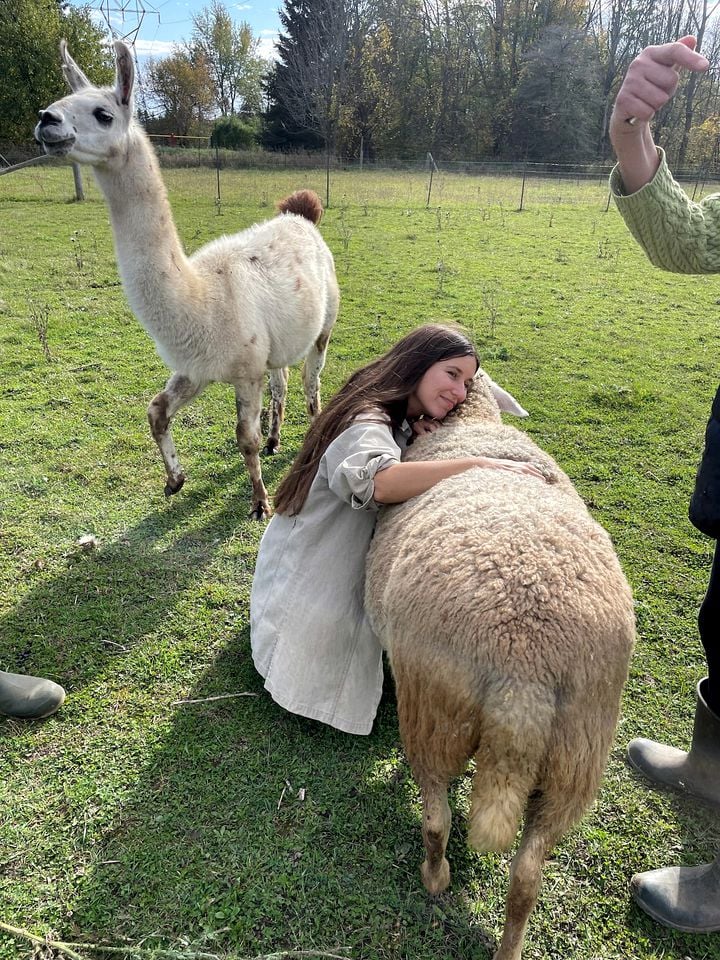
(153, 48)
(266, 46)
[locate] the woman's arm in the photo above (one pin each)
(650, 82)
(401, 481)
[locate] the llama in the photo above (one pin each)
(259, 300)
(509, 626)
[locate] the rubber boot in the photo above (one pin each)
(684, 898)
(696, 772)
(28, 698)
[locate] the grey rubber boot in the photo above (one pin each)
(684, 898)
(696, 772)
(28, 698)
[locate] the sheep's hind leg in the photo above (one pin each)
(278, 393)
(179, 391)
(314, 362)
(436, 830)
(248, 401)
(525, 876)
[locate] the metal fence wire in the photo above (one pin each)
(251, 176)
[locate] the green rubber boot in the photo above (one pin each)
(28, 698)
(696, 772)
(684, 898)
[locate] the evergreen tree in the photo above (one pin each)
(291, 121)
(558, 100)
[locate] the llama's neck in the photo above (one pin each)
(157, 276)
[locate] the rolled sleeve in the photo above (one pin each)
(353, 459)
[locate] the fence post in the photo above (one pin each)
(362, 150)
(433, 168)
(522, 189)
(77, 176)
(217, 174)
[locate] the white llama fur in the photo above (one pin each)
(258, 300)
(509, 626)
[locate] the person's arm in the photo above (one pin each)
(401, 481)
(650, 82)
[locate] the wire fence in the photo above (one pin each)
(191, 166)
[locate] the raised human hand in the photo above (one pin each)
(651, 80)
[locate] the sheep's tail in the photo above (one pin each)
(304, 203)
(513, 744)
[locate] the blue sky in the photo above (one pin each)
(168, 21)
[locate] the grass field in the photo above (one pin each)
(229, 827)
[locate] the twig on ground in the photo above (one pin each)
(221, 696)
(149, 952)
(42, 941)
(112, 643)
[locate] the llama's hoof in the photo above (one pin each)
(260, 511)
(271, 447)
(171, 488)
(435, 881)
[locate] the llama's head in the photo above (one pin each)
(91, 124)
(485, 401)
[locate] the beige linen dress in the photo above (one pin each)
(310, 638)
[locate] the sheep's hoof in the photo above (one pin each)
(171, 488)
(435, 881)
(260, 511)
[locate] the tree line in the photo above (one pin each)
(470, 79)
(380, 79)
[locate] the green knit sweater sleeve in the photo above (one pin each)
(675, 233)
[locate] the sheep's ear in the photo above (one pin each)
(74, 77)
(124, 74)
(506, 401)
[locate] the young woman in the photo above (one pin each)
(309, 634)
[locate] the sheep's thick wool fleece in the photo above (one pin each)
(675, 233)
(505, 594)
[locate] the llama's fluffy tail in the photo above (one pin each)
(305, 203)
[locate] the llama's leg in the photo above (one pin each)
(179, 390)
(436, 830)
(525, 876)
(314, 362)
(248, 401)
(278, 392)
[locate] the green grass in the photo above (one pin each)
(130, 819)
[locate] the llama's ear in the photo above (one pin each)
(124, 73)
(506, 401)
(74, 77)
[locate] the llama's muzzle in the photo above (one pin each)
(53, 132)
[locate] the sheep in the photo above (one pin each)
(509, 626)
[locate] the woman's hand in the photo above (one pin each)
(512, 466)
(424, 425)
(650, 82)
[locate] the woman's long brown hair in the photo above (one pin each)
(384, 385)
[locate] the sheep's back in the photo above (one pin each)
(493, 575)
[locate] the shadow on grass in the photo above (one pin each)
(253, 830)
(107, 600)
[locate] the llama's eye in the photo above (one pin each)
(103, 116)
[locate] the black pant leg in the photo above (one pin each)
(709, 627)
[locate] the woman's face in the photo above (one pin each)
(442, 387)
